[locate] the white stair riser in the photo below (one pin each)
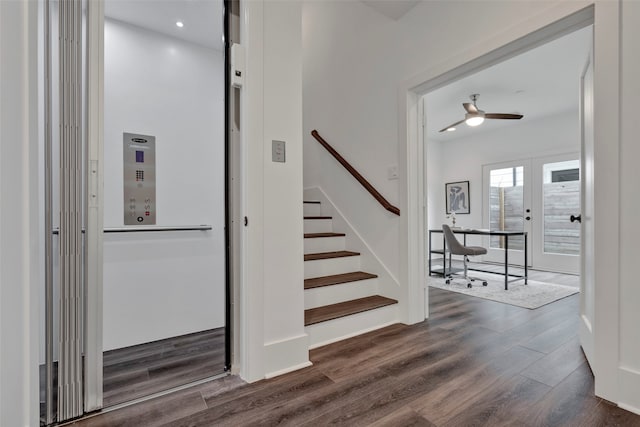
(312, 209)
(324, 244)
(331, 266)
(345, 327)
(318, 226)
(333, 294)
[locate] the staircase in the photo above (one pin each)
(341, 301)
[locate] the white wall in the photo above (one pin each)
(349, 64)
(556, 134)
(158, 285)
(19, 208)
(354, 62)
(357, 62)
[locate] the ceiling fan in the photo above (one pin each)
(475, 116)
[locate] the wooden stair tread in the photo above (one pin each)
(347, 308)
(336, 279)
(317, 217)
(315, 202)
(314, 235)
(329, 255)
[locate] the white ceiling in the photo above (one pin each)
(537, 83)
(203, 19)
(394, 9)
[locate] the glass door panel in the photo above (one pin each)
(506, 208)
(557, 194)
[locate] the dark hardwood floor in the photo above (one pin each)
(141, 370)
(473, 363)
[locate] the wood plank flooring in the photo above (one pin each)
(141, 370)
(474, 362)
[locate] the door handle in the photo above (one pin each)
(576, 218)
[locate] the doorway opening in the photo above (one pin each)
(137, 294)
(520, 176)
(164, 290)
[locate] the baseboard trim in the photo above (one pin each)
(287, 355)
(354, 334)
(628, 397)
(287, 370)
(629, 408)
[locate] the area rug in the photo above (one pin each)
(533, 295)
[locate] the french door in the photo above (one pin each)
(507, 207)
(556, 197)
(537, 196)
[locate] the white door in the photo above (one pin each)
(507, 207)
(556, 196)
(587, 183)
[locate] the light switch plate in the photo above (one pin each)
(278, 151)
(392, 172)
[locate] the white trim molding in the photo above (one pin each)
(19, 214)
(629, 387)
(558, 19)
(284, 356)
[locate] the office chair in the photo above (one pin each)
(457, 248)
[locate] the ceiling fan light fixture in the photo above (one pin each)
(475, 116)
(474, 119)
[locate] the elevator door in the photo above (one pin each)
(164, 273)
(62, 355)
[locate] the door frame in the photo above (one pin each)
(93, 365)
(93, 361)
(554, 22)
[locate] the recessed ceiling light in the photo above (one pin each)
(451, 129)
(179, 24)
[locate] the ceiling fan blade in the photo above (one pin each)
(503, 116)
(470, 108)
(452, 125)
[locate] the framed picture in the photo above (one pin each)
(457, 197)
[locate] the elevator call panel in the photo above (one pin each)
(139, 179)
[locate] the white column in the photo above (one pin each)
(272, 301)
(19, 275)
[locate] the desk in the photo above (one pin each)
(465, 232)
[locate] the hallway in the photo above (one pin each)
(474, 362)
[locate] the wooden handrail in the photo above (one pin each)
(376, 195)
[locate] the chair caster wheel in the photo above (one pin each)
(447, 282)
(468, 285)
(484, 283)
